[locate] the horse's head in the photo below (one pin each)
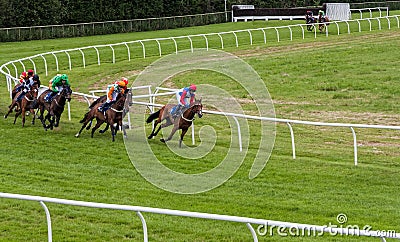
(120, 103)
(34, 91)
(66, 92)
(197, 107)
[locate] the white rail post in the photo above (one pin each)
(251, 36)
(69, 111)
(193, 141)
(277, 33)
(236, 39)
(253, 232)
(355, 146)
(222, 40)
(302, 30)
(48, 219)
(239, 133)
(144, 225)
(265, 36)
(292, 138)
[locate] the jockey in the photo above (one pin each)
(185, 97)
(30, 74)
(27, 85)
(23, 77)
(321, 16)
(57, 84)
(112, 92)
(125, 80)
(309, 14)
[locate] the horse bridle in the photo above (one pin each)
(33, 98)
(191, 120)
(64, 95)
(118, 111)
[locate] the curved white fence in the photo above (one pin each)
(141, 48)
(264, 224)
(169, 91)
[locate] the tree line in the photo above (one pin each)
(20, 13)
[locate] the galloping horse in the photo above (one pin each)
(55, 108)
(310, 21)
(323, 22)
(24, 105)
(113, 115)
(183, 122)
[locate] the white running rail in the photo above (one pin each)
(317, 230)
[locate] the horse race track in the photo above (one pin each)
(351, 78)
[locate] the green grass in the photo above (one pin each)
(347, 78)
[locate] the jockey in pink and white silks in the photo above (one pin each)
(185, 97)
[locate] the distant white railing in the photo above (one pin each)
(12, 69)
(370, 10)
(264, 224)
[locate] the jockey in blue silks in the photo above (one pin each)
(185, 98)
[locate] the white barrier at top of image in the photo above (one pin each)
(54, 54)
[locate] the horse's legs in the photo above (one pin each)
(41, 110)
(90, 124)
(88, 118)
(98, 124)
(33, 114)
(16, 115)
(47, 117)
(174, 129)
(23, 115)
(154, 128)
(83, 126)
(10, 109)
(105, 129)
(113, 131)
(57, 120)
(182, 135)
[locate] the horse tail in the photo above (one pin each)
(153, 116)
(84, 118)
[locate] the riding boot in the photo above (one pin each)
(21, 95)
(49, 97)
(173, 110)
(104, 107)
(178, 111)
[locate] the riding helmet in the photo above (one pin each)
(36, 77)
(193, 87)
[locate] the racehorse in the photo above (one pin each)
(323, 22)
(55, 108)
(17, 89)
(113, 115)
(310, 21)
(24, 105)
(183, 122)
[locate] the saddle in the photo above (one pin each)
(177, 110)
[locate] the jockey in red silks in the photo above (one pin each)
(23, 77)
(185, 97)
